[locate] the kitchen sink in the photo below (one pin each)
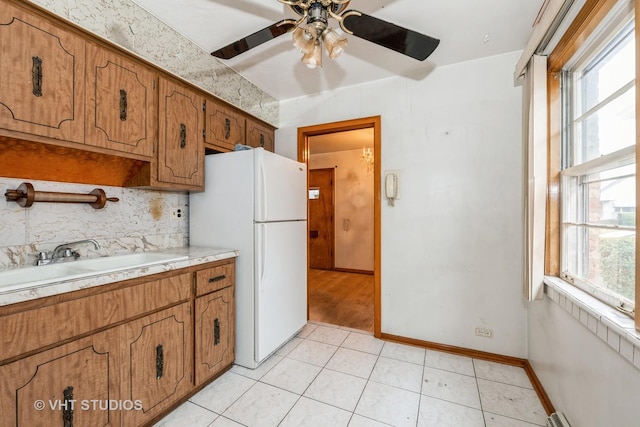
(123, 262)
(29, 277)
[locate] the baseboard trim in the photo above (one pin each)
(537, 386)
(351, 270)
(483, 355)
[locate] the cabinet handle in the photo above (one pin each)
(159, 362)
(183, 135)
(217, 278)
(123, 105)
(261, 140)
(227, 128)
(36, 75)
(67, 411)
(216, 331)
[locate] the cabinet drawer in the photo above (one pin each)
(215, 278)
(32, 329)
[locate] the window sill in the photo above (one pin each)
(611, 326)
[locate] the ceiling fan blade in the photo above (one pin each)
(253, 40)
(391, 36)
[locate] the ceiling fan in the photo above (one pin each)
(312, 29)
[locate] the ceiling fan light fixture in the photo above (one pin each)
(313, 59)
(334, 43)
(304, 39)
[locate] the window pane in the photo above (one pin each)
(612, 260)
(607, 130)
(575, 255)
(611, 197)
(608, 72)
(604, 101)
(604, 258)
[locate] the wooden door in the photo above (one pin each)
(121, 103)
(321, 222)
(214, 340)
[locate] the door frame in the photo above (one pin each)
(303, 156)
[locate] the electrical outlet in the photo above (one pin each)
(484, 332)
(177, 213)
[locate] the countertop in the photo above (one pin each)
(196, 256)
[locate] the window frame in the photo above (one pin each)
(585, 25)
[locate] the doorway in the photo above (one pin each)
(340, 275)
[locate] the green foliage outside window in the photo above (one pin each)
(617, 264)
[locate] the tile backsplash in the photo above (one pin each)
(140, 221)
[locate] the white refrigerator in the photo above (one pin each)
(256, 201)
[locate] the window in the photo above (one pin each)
(598, 176)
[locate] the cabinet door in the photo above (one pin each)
(259, 135)
(181, 143)
(159, 355)
(72, 385)
(41, 84)
(215, 338)
(121, 107)
(225, 127)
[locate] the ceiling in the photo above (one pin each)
(468, 29)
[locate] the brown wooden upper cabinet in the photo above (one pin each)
(181, 144)
(42, 76)
(121, 104)
(225, 127)
(260, 135)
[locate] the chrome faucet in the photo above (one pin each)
(63, 252)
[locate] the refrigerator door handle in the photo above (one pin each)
(262, 193)
(262, 256)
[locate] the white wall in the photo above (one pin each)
(452, 245)
(353, 188)
(585, 378)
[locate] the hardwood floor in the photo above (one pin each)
(343, 299)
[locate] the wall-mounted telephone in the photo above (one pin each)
(391, 187)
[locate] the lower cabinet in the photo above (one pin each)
(215, 337)
(158, 368)
(129, 373)
(68, 385)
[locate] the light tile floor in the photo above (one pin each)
(331, 377)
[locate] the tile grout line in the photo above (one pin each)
(475, 375)
(424, 364)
